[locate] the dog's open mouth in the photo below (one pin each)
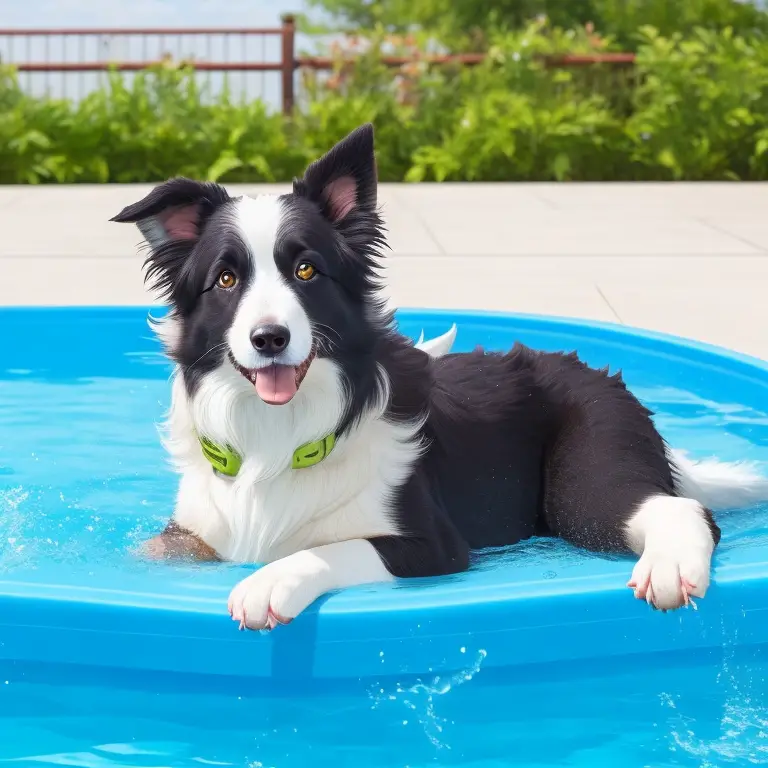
(276, 384)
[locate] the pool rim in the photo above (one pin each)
(338, 619)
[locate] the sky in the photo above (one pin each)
(140, 13)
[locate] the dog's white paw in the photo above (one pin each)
(675, 544)
(668, 581)
(276, 593)
(281, 590)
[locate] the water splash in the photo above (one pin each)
(42, 525)
(13, 524)
(420, 700)
(741, 735)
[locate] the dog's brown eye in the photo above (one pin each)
(305, 271)
(226, 280)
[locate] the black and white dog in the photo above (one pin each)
(311, 436)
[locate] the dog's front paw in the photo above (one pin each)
(276, 593)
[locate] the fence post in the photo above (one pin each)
(288, 62)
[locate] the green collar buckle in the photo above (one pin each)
(312, 453)
(226, 461)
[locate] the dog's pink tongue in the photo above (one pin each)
(276, 385)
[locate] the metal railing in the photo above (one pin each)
(46, 53)
(49, 58)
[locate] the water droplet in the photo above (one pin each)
(463, 649)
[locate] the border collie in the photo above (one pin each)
(309, 435)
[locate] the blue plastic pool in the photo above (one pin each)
(538, 657)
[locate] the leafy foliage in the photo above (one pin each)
(701, 109)
(462, 23)
(694, 107)
(160, 125)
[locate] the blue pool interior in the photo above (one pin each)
(538, 657)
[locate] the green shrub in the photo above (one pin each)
(701, 109)
(694, 107)
(160, 125)
(621, 19)
(462, 23)
(515, 118)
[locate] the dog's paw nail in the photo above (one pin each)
(274, 618)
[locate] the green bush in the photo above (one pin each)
(515, 118)
(621, 19)
(701, 109)
(160, 126)
(694, 107)
(470, 23)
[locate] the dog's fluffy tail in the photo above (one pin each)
(718, 485)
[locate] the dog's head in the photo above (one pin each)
(267, 284)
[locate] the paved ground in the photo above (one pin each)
(690, 259)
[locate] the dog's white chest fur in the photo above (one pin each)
(270, 510)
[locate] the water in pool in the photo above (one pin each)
(96, 484)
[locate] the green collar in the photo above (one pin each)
(227, 461)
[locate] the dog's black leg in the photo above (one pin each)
(430, 545)
(608, 486)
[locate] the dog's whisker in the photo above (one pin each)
(208, 352)
(324, 343)
(322, 338)
(317, 325)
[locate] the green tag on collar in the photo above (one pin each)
(223, 460)
(226, 462)
(312, 453)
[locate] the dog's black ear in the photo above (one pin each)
(174, 211)
(171, 218)
(344, 179)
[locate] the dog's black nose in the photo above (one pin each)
(270, 340)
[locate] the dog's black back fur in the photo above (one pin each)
(512, 450)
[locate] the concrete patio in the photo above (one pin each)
(688, 259)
